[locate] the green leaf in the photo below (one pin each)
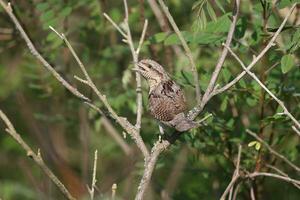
(224, 104)
(220, 6)
(287, 63)
(251, 102)
(211, 12)
(42, 6)
(250, 144)
(158, 37)
(226, 74)
(66, 11)
(221, 25)
(257, 146)
(49, 15)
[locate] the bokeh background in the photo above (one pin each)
(67, 132)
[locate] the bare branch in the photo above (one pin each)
(286, 112)
(36, 157)
(221, 60)
(262, 53)
(115, 25)
(149, 167)
(296, 130)
(116, 136)
(92, 189)
(235, 176)
(186, 48)
(142, 38)
(33, 51)
(284, 178)
(282, 173)
(278, 155)
(150, 163)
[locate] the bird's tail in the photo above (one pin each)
(185, 125)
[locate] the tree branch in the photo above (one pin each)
(210, 91)
(93, 185)
(36, 157)
(185, 47)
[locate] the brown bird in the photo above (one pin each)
(166, 99)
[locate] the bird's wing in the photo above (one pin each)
(166, 101)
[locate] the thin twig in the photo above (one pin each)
(235, 176)
(257, 58)
(113, 191)
(278, 155)
(135, 55)
(286, 112)
(36, 157)
(284, 178)
(296, 130)
(142, 38)
(115, 25)
(115, 135)
(92, 189)
(282, 173)
(185, 47)
(7, 7)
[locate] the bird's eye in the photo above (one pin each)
(150, 66)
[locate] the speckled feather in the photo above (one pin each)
(166, 99)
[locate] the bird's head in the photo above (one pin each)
(153, 72)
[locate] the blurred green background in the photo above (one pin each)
(199, 165)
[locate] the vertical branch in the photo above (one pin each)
(135, 54)
(93, 185)
(209, 92)
(149, 167)
(36, 157)
(221, 60)
(185, 47)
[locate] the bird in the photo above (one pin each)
(166, 100)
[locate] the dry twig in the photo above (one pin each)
(36, 157)
(93, 185)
